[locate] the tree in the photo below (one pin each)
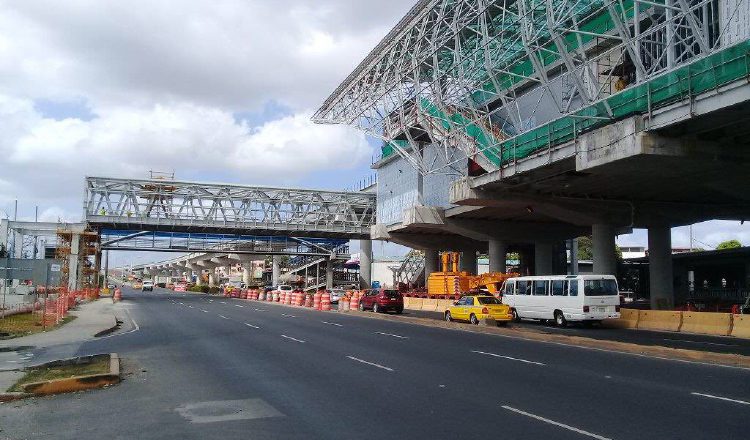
(586, 249)
(729, 244)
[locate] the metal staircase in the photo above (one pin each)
(411, 271)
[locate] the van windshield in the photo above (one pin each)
(600, 288)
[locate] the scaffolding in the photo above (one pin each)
(84, 245)
(495, 81)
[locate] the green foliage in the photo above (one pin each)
(586, 249)
(729, 244)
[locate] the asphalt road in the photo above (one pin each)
(715, 344)
(205, 367)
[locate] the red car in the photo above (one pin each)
(382, 300)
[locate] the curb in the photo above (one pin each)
(70, 384)
(109, 330)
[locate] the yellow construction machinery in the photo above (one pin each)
(450, 281)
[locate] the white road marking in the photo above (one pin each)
(260, 310)
(222, 316)
(250, 325)
(293, 339)
(700, 342)
(392, 335)
(331, 323)
(182, 304)
(508, 357)
(552, 422)
(191, 307)
(370, 363)
(239, 305)
(204, 311)
(721, 398)
(288, 316)
(222, 302)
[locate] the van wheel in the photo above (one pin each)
(473, 319)
(560, 319)
(516, 318)
(448, 316)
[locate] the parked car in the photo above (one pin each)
(336, 295)
(147, 285)
(285, 288)
(382, 300)
(111, 286)
(474, 308)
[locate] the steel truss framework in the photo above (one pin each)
(165, 205)
(220, 243)
(472, 76)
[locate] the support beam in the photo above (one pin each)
(498, 251)
(573, 270)
(276, 270)
(603, 248)
(661, 280)
(431, 264)
(329, 273)
(468, 262)
(365, 264)
(543, 258)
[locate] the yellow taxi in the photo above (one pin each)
(474, 308)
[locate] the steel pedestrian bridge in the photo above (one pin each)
(193, 207)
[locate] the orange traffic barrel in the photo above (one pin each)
(325, 301)
(316, 300)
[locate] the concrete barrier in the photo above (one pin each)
(741, 326)
(661, 320)
(413, 303)
(628, 319)
(706, 323)
(443, 305)
(429, 305)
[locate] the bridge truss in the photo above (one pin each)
(498, 80)
(192, 207)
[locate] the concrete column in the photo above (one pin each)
(106, 269)
(329, 273)
(247, 272)
(276, 270)
(199, 277)
(73, 269)
(430, 262)
(543, 257)
(660, 267)
(573, 257)
(603, 248)
(468, 262)
(498, 254)
(212, 277)
(365, 264)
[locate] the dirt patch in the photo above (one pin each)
(98, 365)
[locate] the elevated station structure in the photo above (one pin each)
(521, 123)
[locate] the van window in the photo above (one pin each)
(508, 290)
(540, 287)
(573, 288)
(521, 288)
(558, 287)
(600, 288)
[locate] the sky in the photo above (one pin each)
(218, 90)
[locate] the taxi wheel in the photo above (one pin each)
(516, 318)
(473, 319)
(448, 316)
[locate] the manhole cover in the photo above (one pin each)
(225, 410)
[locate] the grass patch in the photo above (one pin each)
(98, 365)
(25, 324)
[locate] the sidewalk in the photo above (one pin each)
(17, 353)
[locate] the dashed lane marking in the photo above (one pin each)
(250, 325)
(552, 422)
(293, 339)
(383, 367)
(239, 305)
(392, 335)
(726, 399)
(222, 316)
(288, 316)
(332, 323)
(508, 357)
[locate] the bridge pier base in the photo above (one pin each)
(661, 281)
(543, 258)
(498, 250)
(603, 248)
(275, 270)
(365, 264)
(430, 263)
(468, 262)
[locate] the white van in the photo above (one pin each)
(563, 298)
